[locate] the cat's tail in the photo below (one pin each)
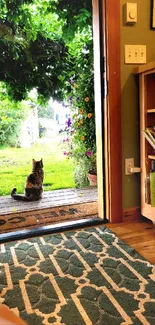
(17, 196)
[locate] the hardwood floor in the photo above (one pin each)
(138, 234)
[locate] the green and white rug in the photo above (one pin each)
(82, 277)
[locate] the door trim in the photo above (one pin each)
(109, 146)
(114, 109)
(98, 93)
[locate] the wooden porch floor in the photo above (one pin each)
(50, 199)
(55, 206)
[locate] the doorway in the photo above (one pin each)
(103, 112)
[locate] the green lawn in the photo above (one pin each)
(16, 164)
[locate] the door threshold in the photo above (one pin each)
(50, 229)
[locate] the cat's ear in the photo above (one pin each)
(33, 160)
(41, 162)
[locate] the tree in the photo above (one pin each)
(11, 115)
(46, 111)
(35, 38)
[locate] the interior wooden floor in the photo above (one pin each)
(138, 234)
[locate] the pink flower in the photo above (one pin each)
(88, 153)
(66, 140)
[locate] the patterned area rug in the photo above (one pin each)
(82, 277)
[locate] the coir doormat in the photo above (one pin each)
(39, 218)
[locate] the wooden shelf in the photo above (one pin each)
(151, 110)
(147, 119)
(145, 68)
(151, 157)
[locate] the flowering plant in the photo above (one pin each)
(92, 163)
(81, 135)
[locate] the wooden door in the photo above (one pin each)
(106, 35)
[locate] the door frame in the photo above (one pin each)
(106, 26)
(107, 21)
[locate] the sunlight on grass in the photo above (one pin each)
(16, 165)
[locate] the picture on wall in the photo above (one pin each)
(153, 14)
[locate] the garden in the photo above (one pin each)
(47, 46)
(16, 164)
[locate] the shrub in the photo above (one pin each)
(11, 115)
(81, 133)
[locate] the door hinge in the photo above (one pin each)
(105, 81)
(104, 64)
(105, 87)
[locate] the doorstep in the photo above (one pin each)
(55, 207)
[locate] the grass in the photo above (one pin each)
(16, 165)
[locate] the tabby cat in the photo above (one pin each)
(34, 184)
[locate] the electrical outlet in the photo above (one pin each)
(129, 162)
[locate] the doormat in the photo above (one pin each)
(44, 217)
(82, 277)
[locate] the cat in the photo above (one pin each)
(34, 184)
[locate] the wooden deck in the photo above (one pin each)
(50, 199)
(55, 207)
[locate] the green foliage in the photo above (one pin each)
(80, 174)
(11, 115)
(32, 51)
(76, 14)
(46, 111)
(43, 45)
(38, 66)
(35, 37)
(81, 142)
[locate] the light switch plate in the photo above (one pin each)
(130, 13)
(135, 54)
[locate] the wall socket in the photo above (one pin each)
(129, 162)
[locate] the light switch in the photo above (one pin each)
(130, 12)
(135, 54)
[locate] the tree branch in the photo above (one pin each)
(7, 33)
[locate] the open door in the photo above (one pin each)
(100, 103)
(106, 29)
(106, 36)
